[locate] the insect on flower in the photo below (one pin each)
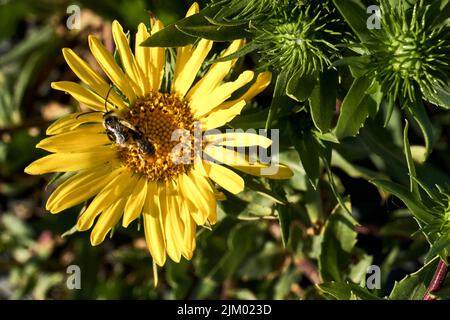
(121, 132)
(136, 176)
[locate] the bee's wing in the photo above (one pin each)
(127, 124)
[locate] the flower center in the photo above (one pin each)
(406, 56)
(157, 116)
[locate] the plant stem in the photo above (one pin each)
(438, 278)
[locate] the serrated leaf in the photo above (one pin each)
(355, 109)
(439, 247)
(440, 98)
(346, 291)
(414, 286)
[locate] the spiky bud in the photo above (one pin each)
(409, 55)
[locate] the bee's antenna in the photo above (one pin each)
(106, 98)
(85, 113)
(106, 109)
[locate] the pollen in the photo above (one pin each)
(157, 116)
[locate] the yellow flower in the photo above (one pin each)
(122, 179)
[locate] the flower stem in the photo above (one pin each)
(438, 278)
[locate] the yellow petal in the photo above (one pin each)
(154, 235)
(83, 95)
(135, 202)
(64, 162)
(106, 60)
(215, 74)
(189, 233)
(240, 162)
(220, 116)
(90, 77)
(262, 81)
(199, 196)
(143, 56)
(184, 53)
(78, 188)
(108, 219)
(225, 155)
(224, 177)
(72, 121)
(78, 140)
(276, 172)
(127, 58)
(173, 225)
(114, 190)
(202, 105)
(188, 64)
(157, 59)
(193, 9)
(238, 139)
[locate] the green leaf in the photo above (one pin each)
(414, 286)
(226, 23)
(440, 13)
(323, 100)
(355, 109)
(300, 86)
(187, 30)
(314, 205)
(440, 98)
(414, 188)
(172, 36)
(285, 219)
(308, 151)
(257, 186)
(338, 241)
(255, 120)
(358, 270)
(439, 247)
(262, 263)
(179, 278)
(354, 12)
(248, 48)
(214, 32)
(353, 170)
(420, 212)
(278, 94)
(346, 291)
(420, 115)
(36, 40)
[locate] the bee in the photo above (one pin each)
(121, 132)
